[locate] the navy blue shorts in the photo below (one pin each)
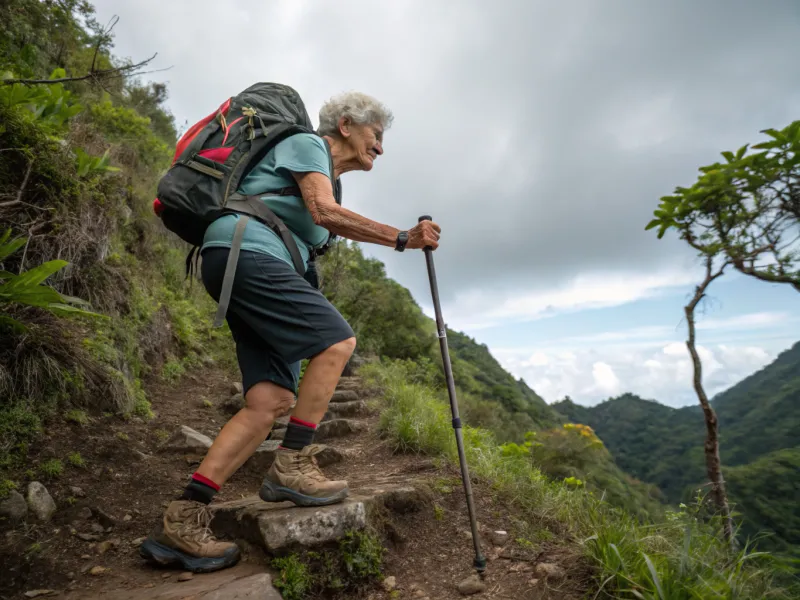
(276, 317)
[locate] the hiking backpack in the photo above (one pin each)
(213, 157)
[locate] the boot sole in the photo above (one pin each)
(271, 492)
(165, 556)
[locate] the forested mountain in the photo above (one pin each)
(759, 422)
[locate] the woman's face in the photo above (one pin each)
(366, 141)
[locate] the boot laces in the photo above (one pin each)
(307, 462)
(197, 524)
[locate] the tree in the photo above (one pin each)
(746, 209)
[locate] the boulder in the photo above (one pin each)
(14, 508)
(281, 527)
(40, 502)
(186, 439)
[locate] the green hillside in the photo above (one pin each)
(759, 421)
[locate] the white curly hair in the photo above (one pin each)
(361, 108)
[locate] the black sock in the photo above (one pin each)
(200, 489)
(299, 434)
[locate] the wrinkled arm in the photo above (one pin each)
(318, 198)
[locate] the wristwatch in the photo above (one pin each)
(402, 240)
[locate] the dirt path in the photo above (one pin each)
(90, 548)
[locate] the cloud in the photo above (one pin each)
(539, 135)
(664, 373)
(484, 308)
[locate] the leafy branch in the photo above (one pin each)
(747, 209)
(27, 289)
(95, 75)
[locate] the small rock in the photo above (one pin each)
(186, 439)
(85, 556)
(40, 502)
(14, 508)
(87, 537)
(85, 513)
(98, 570)
(233, 404)
(149, 585)
(186, 576)
(71, 575)
(127, 517)
(138, 541)
(76, 491)
(419, 594)
(499, 538)
(97, 528)
(549, 571)
(39, 593)
(236, 388)
(533, 581)
(389, 583)
(471, 585)
(104, 547)
(166, 575)
(104, 518)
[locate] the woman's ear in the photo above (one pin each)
(344, 127)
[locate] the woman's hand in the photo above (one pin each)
(424, 234)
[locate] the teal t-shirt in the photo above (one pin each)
(302, 153)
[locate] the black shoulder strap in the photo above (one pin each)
(252, 205)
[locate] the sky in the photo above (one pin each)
(540, 137)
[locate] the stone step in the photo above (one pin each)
(349, 383)
(281, 527)
(328, 429)
(345, 409)
(344, 396)
(335, 411)
(263, 457)
(243, 581)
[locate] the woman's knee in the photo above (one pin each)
(344, 349)
(268, 401)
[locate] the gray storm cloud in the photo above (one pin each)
(539, 135)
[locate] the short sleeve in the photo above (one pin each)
(303, 153)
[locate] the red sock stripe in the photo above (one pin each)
(205, 481)
(297, 421)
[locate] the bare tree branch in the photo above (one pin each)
(713, 462)
(94, 75)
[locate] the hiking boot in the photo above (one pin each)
(296, 476)
(184, 538)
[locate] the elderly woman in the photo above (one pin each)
(277, 319)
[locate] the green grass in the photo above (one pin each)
(678, 558)
(354, 563)
(76, 460)
(51, 468)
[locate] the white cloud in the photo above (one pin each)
(479, 309)
(651, 361)
(663, 373)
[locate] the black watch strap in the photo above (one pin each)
(402, 240)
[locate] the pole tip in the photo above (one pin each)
(480, 564)
(425, 218)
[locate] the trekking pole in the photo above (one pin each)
(480, 560)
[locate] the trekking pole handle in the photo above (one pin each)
(420, 220)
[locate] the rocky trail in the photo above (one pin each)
(87, 548)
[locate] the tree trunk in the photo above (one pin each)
(713, 463)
